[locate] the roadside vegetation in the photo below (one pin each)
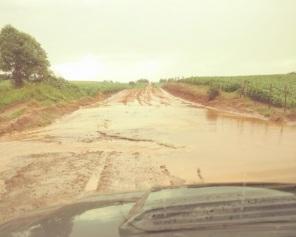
(278, 90)
(92, 88)
(56, 90)
(51, 91)
(213, 92)
(270, 96)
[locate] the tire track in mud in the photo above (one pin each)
(127, 172)
(138, 95)
(160, 94)
(46, 179)
(143, 96)
(129, 96)
(105, 178)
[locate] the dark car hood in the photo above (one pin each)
(102, 215)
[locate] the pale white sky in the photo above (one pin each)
(131, 39)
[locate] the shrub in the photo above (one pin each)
(213, 92)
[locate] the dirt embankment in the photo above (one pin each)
(21, 116)
(231, 102)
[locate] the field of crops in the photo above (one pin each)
(278, 90)
(91, 88)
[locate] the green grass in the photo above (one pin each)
(92, 88)
(16, 113)
(56, 91)
(267, 112)
(264, 88)
(45, 93)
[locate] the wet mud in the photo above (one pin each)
(135, 140)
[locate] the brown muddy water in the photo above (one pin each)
(135, 140)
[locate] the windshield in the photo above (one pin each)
(108, 97)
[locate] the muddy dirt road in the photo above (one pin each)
(134, 140)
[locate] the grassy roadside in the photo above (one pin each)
(230, 102)
(38, 104)
(45, 93)
(278, 90)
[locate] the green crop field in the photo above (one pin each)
(92, 88)
(278, 90)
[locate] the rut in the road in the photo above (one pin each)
(106, 135)
(134, 171)
(44, 179)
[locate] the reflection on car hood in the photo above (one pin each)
(243, 210)
(206, 210)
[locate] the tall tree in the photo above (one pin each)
(22, 56)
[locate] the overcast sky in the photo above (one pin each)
(131, 39)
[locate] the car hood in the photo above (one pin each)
(114, 215)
